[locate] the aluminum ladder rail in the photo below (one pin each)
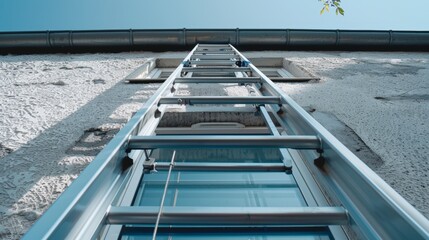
(341, 192)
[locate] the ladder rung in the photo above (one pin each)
(221, 80)
(227, 141)
(293, 79)
(214, 52)
(220, 100)
(220, 47)
(214, 49)
(182, 166)
(217, 80)
(319, 216)
(216, 69)
(212, 62)
(214, 57)
(219, 53)
(214, 46)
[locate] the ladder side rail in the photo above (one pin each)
(95, 187)
(352, 182)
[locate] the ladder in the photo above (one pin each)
(221, 179)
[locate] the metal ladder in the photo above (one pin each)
(294, 177)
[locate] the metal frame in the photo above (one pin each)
(342, 191)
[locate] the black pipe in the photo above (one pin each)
(185, 39)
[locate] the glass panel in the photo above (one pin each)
(232, 233)
(221, 189)
(220, 155)
(213, 74)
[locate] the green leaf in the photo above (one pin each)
(331, 3)
(325, 8)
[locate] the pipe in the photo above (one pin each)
(181, 39)
(313, 216)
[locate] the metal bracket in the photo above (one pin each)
(127, 162)
(150, 165)
(186, 63)
(280, 111)
(320, 161)
(157, 113)
(242, 63)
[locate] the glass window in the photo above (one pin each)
(221, 189)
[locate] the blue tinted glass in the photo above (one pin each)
(241, 234)
(211, 189)
(245, 155)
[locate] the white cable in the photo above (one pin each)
(163, 195)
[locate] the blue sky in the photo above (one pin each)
(29, 15)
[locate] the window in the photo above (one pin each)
(277, 69)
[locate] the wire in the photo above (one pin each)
(163, 195)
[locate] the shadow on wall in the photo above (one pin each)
(34, 175)
(348, 137)
(390, 68)
(374, 68)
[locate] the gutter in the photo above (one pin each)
(185, 39)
